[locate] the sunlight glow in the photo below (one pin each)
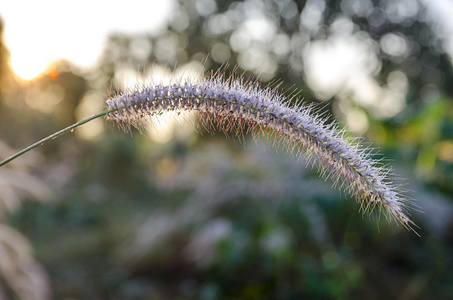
(39, 33)
(26, 69)
(330, 64)
(345, 66)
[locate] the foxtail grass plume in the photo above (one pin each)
(236, 106)
(239, 106)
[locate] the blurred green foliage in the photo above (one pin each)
(204, 217)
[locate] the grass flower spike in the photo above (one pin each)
(239, 107)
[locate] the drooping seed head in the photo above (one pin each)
(238, 107)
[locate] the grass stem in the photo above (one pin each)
(52, 136)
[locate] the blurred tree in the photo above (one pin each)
(269, 37)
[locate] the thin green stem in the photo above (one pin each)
(52, 136)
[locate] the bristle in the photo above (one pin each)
(239, 106)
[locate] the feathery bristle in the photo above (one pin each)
(237, 107)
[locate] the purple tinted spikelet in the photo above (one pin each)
(239, 107)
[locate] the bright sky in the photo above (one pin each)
(40, 32)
